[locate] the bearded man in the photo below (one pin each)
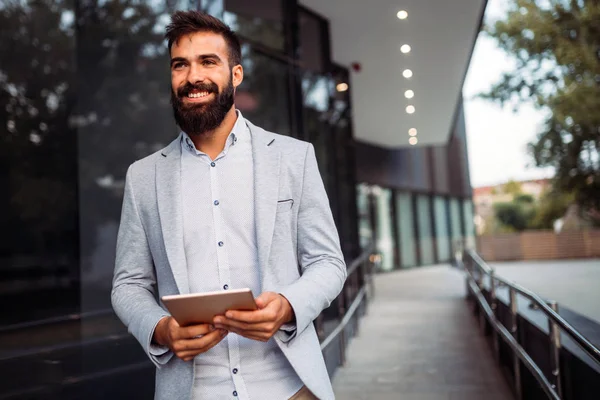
(226, 205)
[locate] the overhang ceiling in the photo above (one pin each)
(441, 35)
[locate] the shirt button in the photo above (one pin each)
(235, 393)
(221, 244)
(212, 164)
(225, 286)
(216, 202)
(235, 370)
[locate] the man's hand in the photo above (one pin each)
(187, 342)
(273, 311)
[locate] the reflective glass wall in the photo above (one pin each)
(84, 92)
(413, 229)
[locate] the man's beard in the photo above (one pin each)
(198, 119)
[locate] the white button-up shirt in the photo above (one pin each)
(221, 251)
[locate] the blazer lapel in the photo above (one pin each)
(168, 186)
(266, 189)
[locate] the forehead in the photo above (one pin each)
(198, 43)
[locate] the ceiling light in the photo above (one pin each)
(405, 48)
(412, 132)
(402, 14)
(407, 73)
(413, 141)
(342, 87)
(410, 109)
(409, 94)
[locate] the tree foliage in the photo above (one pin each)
(556, 46)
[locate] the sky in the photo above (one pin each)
(496, 136)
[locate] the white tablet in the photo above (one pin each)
(201, 308)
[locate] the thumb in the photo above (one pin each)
(264, 299)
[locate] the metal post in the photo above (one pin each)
(342, 301)
(555, 346)
(514, 330)
(495, 311)
(480, 286)
(466, 266)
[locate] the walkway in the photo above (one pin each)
(420, 341)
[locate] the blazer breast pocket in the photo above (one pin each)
(284, 206)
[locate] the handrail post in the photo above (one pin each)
(514, 326)
(495, 311)
(466, 262)
(555, 345)
(479, 280)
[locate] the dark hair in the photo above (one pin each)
(186, 22)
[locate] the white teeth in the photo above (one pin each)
(197, 95)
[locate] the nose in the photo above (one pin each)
(196, 74)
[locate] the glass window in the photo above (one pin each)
(425, 233)
(38, 168)
(455, 225)
(441, 229)
(365, 231)
(311, 51)
(406, 229)
(263, 97)
(385, 234)
(469, 224)
(257, 20)
(316, 91)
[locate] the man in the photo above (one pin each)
(226, 205)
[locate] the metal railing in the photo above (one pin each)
(358, 288)
(476, 269)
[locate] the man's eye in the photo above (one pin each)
(178, 65)
(208, 62)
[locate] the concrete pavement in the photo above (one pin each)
(420, 341)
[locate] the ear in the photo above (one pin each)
(237, 75)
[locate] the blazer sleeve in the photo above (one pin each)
(322, 266)
(133, 293)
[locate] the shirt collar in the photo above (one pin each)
(237, 133)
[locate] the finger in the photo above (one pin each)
(254, 335)
(187, 355)
(195, 330)
(264, 299)
(190, 354)
(245, 326)
(267, 314)
(200, 344)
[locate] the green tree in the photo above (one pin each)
(513, 215)
(556, 46)
(552, 206)
(512, 187)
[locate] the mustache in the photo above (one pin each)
(185, 90)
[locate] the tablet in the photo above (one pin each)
(201, 308)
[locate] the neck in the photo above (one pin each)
(213, 142)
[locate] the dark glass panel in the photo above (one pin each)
(258, 20)
(311, 52)
(39, 251)
(263, 97)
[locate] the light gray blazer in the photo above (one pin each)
(298, 252)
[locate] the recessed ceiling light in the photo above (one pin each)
(412, 132)
(413, 141)
(409, 94)
(407, 73)
(402, 14)
(342, 87)
(410, 109)
(405, 48)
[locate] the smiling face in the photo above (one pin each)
(202, 82)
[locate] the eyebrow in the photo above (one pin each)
(200, 57)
